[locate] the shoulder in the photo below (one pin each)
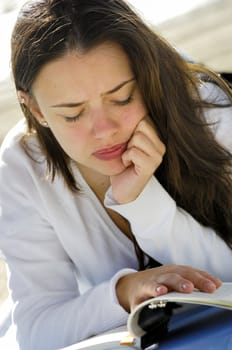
(12, 142)
(211, 92)
(219, 118)
(14, 135)
(13, 157)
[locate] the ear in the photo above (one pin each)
(32, 105)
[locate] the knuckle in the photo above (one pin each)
(159, 158)
(168, 277)
(163, 149)
(142, 123)
(138, 137)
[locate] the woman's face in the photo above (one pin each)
(92, 105)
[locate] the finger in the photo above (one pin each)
(145, 144)
(149, 290)
(201, 280)
(214, 279)
(141, 161)
(205, 282)
(176, 282)
(146, 128)
(143, 153)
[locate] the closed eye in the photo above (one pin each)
(124, 102)
(72, 119)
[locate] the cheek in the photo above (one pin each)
(133, 115)
(69, 135)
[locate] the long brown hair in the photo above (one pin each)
(196, 170)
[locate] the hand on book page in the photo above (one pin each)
(158, 310)
(149, 321)
(222, 297)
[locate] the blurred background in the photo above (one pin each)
(202, 29)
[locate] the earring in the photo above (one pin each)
(44, 123)
(22, 101)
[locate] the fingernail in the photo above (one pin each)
(161, 290)
(210, 285)
(185, 286)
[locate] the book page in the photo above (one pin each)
(222, 297)
(108, 341)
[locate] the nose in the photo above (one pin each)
(104, 124)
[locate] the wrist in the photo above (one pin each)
(123, 291)
(114, 282)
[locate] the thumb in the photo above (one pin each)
(126, 161)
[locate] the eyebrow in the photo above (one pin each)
(77, 104)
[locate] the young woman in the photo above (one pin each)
(123, 163)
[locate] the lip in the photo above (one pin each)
(111, 152)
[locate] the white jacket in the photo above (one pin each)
(65, 254)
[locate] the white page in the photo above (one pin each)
(107, 341)
(222, 297)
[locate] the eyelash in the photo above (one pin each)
(118, 103)
(73, 119)
(124, 102)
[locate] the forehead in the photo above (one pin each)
(99, 69)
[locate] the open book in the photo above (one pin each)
(148, 322)
(222, 297)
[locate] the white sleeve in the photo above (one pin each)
(49, 311)
(168, 233)
(220, 118)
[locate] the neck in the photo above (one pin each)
(99, 183)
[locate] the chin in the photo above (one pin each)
(113, 169)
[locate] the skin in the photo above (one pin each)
(105, 119)
(134, 288)
(92, 103)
